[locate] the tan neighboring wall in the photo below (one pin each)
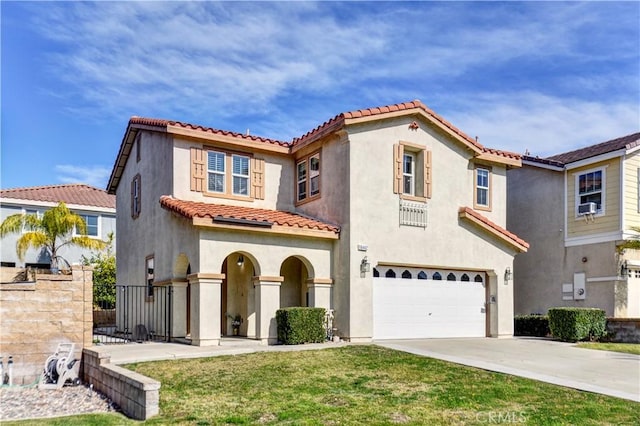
(631, 176)
(37, 316)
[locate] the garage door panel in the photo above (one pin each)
(411, 308)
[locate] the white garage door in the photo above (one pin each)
(424, 308)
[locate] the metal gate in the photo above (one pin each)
(131, 313)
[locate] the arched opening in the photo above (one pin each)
(293, 291)
(478, 278)
(406, 274)
(422, 275)
(451, 277)
(376, 274)
(465, 277)
(437, 276)
(181, 311)
(390, 274)
(238, 316)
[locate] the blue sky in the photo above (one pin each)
(546, 77)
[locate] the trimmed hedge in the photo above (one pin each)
(574, 324)
(531, 325)
(301, 325)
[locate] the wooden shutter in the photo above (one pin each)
(398, 153)
(427, 174)
(198, 169)
(257, 178)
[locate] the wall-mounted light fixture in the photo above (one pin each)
(624, 270)
(240, 260)
(508, 276)
(365, 266)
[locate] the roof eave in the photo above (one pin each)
(207, 222)
(520, 246)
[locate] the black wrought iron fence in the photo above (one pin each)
(131, 313)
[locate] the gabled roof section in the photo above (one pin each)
(76, 194)
(624, 142)
(415, 107)
(493, 228)
(248, 218)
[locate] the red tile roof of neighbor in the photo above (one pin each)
(191, 209)
(493, 227)
(624, 142)
(78, 194)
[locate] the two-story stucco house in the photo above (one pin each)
(96, 206)
(575, 209)
(391, 217)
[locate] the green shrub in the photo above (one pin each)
(531, 325)
(301, 325)
(574, 324)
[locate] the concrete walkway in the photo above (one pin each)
(609, 373)
(150, 351)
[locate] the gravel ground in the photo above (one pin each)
(29, 403)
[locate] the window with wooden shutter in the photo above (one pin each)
(412, 171)
(198, 169)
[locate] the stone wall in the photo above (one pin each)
(623, 330)
(138, 396)
(38, 315)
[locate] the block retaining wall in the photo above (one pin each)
(138, 396)
(623, 330)
(38, 315)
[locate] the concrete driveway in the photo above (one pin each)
(609, 373)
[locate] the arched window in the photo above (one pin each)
(451, 277)
(376, 273)
(406, 274)
(465, 277)
(422, 275)
(437, 276)
(390, 274)
(478, 278)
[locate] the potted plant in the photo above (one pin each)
(236, 321)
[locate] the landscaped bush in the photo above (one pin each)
(574, 324)
(531, 325)
(301, 325)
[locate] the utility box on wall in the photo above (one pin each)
(579, 286)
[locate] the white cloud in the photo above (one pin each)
(543, 125)
(91, 175)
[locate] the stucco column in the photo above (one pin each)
(206, 295)
(179, 308)
(267, 295)
(320, 292)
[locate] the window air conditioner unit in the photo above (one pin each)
(587, 208)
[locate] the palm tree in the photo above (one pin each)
(52, 231)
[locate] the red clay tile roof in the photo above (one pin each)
(79, 194)
(191, 209)
(156, 122)
(624, 142)
(469, 213)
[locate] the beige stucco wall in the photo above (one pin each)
(363, 193)
(609, 221)
(278, 178)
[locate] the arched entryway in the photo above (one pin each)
(238, 311)
(294, 291)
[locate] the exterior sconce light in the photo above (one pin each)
(624, 271)
(508, 276)
(365, 266)
(240, 260)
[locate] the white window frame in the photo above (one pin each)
(37, 212)
(309, 177)
(98, 225)
(601, 210)
(411, 175)
(313, 175)
(222, 173)
(240, 175)
(478, 187)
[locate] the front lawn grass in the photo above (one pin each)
(359, 384)
(627, 348)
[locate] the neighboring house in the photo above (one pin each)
(96, 206)
(389, 216)
(576, 209)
